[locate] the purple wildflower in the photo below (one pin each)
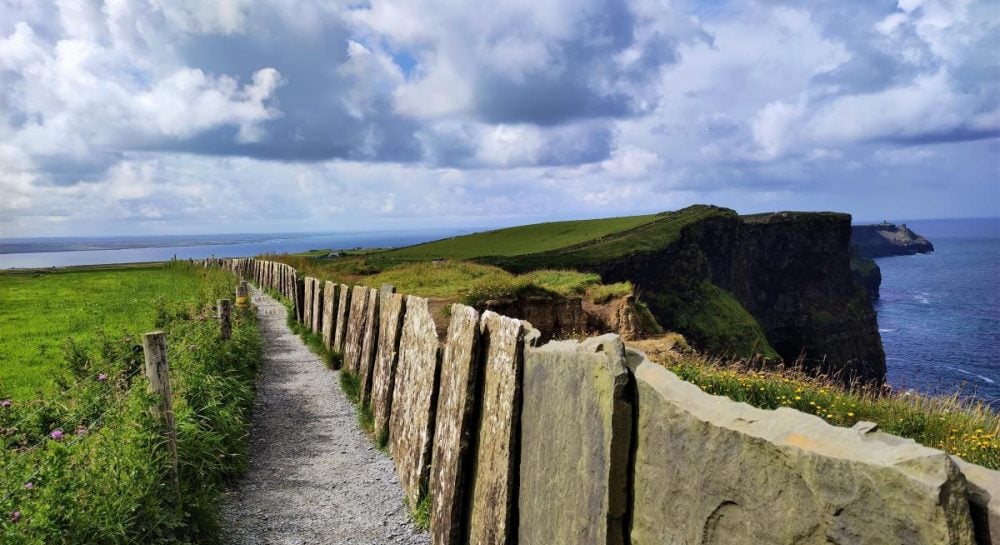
(5, 403)
(102, 377)
(15, 516)
(29, 485)
(56, 434)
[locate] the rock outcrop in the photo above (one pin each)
(887, 239)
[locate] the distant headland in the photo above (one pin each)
(888, 239)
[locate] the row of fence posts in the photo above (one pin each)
(157, 370)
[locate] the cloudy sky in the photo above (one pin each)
(180, 116)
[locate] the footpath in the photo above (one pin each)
(314, 476)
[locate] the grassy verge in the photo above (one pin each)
(955, 425)
(86, 464)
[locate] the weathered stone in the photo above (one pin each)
(355, 328)
(984, 501)
(340, 324)
(308, 297)
(369, 344)
(454, 426)
(384, 374)
(412, 419)
(576, 426)
(494, 490)
(710, 470)
(317, 306)
(330, 293)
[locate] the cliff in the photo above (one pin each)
(888, 239)
(779, 285)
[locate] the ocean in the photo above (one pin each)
(39, 252)
(939, 313)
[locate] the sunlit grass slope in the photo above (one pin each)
(39, 311)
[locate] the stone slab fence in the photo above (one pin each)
(591, 443)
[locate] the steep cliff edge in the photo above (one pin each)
(888, 239)
(776, 284)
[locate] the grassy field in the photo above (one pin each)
(41, 311)
(85, 462)
(526, 239)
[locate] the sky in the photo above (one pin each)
(186, 116)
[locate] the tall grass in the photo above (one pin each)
(87, 463)
(957, 425)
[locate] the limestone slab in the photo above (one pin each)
(340, 327)
(454, 426)
(984, 501)
(330, 300)
(710, 470)
(494, 490)
(411, 421)
(354, 337)
(576, 426)
(390, 329)
(369, 346)
(317, 306)
(307, 298)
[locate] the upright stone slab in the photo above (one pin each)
(494, 490)
(384, 373)
(369, 345)
(354, 337)
(453, 427)
(308, 297)
(984, 501)
(340, 324)
(317, 306)
(412, 419)
(330, 292)
(710, 470)
(576, 426)
(300, 290)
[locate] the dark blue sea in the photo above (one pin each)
(939, 314)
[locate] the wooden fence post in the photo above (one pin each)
(225, 318)
(154, 346)
(241, 294)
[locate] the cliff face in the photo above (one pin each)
(789, 271)
(888, 239)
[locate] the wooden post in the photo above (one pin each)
(241, 294)
(154, 346)
(225, 321)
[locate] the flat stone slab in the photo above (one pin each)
(390, 329)
(340, 328)
(355, 328)
(453, 427)
(330, 300)
(412, 419)
(317, 306)
(710, 470)
(369, 345)
(493, 487)
(576, 427)
(308, 297)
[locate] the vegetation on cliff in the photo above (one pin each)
(86, 463)
(960, 426)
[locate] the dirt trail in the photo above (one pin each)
(314, 477)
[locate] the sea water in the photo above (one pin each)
(939, 313)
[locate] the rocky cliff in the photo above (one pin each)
(888, 239)
(786, 273)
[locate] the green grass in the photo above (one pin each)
(964, 428)
(105, 481)
(525, 239)
(40, 311)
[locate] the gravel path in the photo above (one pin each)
(314, 476)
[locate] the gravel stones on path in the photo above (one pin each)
(314, 476)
